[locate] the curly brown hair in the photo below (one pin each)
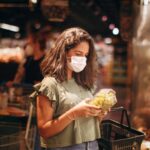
(55, 62)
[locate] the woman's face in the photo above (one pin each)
(81, 49)
(76, 58)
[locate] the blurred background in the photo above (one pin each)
(109, 22)
(120, 29)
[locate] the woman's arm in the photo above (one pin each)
(46, 125)
(49, 127)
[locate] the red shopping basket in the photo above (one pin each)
(118, 136)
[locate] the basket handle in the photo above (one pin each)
(123, 114)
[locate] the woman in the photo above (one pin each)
(65, 119)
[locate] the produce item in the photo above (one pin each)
(105, 99)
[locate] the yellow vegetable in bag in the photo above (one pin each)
(104, 99)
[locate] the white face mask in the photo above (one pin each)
(77, 63)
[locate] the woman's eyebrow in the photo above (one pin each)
(81, 52)
(77, 50)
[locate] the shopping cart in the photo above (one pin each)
(16, 136)
(118, 136)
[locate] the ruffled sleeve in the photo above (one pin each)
(48, 88)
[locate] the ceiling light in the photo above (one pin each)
(115, 31)
(111, 26)
(34, 1)
(9, 27)
(104, 18)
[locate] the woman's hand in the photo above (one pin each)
(83, 109)
(102, 115)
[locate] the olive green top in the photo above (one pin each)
(64, 96)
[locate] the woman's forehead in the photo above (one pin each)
(82, 47)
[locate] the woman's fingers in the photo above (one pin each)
(102, 115)
(93, 107)
(94, 112)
